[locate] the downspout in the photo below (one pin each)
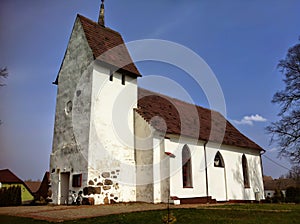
(206, 175)
(225, 179)
(262, 172)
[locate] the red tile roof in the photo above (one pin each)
(184, 119)
(33, 185)
(280, 184)
(101, 39)
(6, 176)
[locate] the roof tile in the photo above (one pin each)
(102, 40)
(6, 176)
(174, 116)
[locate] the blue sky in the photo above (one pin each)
(242, 42)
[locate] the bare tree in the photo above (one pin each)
(294, 173)
(286, 131)
(3, 75)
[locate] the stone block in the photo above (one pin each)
(105, 174)
(108, 182)
(106, 188)
(91, 190)
(91, 182)
(106, 201)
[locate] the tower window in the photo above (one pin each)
(186, 167)
(77, 180)
(123, 79)
(111, 76)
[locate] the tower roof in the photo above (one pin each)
(108, 47)
(102, 40)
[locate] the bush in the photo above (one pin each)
(278, 197)
(293, 194)
(10, 196)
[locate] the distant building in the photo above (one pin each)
(115, 142)
(9, 179)
(40, 189)
(281, 184)
(33, 185)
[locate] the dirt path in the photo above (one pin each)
(61, 213)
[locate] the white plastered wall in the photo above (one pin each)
(198, 169)
(111, 145)
(234, 182)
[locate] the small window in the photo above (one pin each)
(245, 172)
(77, 179)
(186, 167)
(218, 161)
(123, 79)
(111, 76)
(69, 106)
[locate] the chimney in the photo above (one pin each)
(101, 14)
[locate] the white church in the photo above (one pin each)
(116, 142)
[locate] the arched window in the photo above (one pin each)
(186, 167)
(245, 172)
(218, 161)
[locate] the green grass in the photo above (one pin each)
(232, 213)
(5, 219)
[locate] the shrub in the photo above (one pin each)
(10, 196)
(293, 194)
(278, 197)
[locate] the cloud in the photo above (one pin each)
(274, 149)
(249, 120)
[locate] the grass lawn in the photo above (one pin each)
(231, 213)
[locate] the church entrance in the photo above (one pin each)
(64, 188)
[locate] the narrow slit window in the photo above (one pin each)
(123, 79)
(111, 76)
(186, 167)
(245, 172)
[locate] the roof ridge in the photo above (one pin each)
(14, 176)
(95, 23)
(157, 93)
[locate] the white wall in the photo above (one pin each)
(223, 183)
(71, 130)
(161, 171)
(198, 169)
(111, 145)
(144, 159)
(232, 157)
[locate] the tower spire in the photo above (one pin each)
(101, 14)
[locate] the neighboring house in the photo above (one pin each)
(271, 185)
(33, 185)
(43, 191)
(9, 179)
(40, 188)
(116, 142)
